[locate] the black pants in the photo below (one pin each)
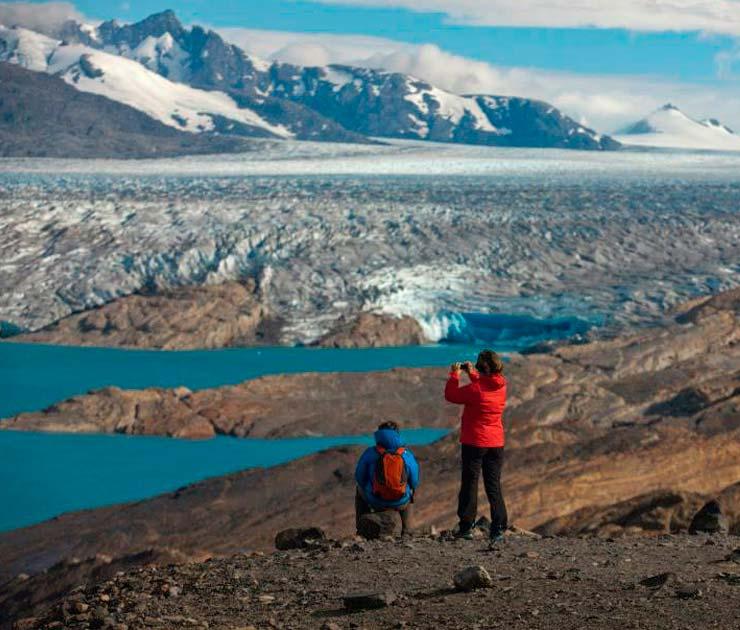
(491, 460)
(363, 507)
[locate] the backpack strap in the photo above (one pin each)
(400, 450)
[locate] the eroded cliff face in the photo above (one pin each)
(621, 436)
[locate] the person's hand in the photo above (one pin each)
(467, 366)
(455, 369)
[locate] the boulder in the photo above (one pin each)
(368, 601)
(472, 578)
(377, 525)
(709, 519)
(299, 538)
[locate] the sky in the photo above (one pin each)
(605, 62)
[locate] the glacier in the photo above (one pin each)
(444, 233)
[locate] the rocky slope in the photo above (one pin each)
(42, 116)
(322, 103)
(374, 330)
(676, 581)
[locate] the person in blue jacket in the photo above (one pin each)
(387, 477)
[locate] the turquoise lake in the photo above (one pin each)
(46, 474)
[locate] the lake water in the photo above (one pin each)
(46, 474)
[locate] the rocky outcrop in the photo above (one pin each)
(374, 330)
(209, 316)
(658, 513)
(271, 406)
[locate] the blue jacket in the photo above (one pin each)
(365, 471)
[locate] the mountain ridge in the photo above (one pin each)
(335, 102)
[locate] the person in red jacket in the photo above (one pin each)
(481, 437)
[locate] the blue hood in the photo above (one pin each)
(389, 439)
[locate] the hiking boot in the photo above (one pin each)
(496, 539)
(465, 534)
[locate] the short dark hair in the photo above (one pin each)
(389, 424)
(489, 363)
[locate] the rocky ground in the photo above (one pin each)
(325, 248)
(667, 582)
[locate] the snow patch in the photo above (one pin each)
(669, 127)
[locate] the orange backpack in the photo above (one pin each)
(390, 479)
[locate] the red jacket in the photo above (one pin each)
(484, 400)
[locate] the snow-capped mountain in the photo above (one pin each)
(129, 82)
(321, 103)
(669, 127)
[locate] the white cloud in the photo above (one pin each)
(604, 102)
(310, 49)
(45, 18)
(715, 16)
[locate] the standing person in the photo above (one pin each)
(387, 476)
(482, 439)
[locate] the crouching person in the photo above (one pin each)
(387, 476)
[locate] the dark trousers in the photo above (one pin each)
(363, 507)
(491, 460)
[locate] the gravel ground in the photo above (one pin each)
(537, 583)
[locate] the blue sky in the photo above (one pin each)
(606, 63)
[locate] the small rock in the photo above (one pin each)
(472, 578)
(368, 601)
(518, 531)
(530, 555)
(174, 591)
(709, 520)
(330, 625)
(657, 581)
(688, 591)
(266, 599)
(79, 607)
(299, 538)
(377, 525)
